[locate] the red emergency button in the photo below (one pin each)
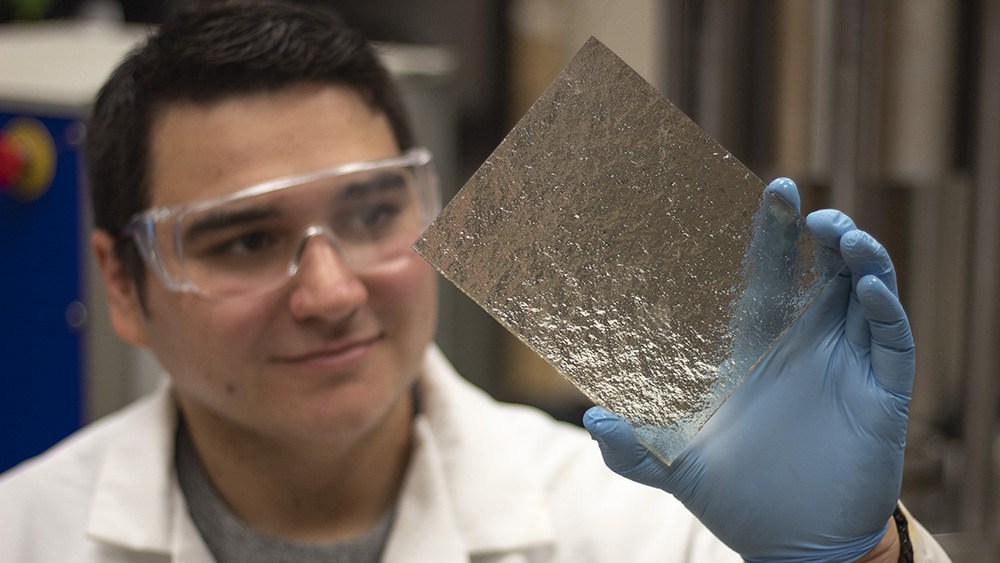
(27, 159)
(11, 161)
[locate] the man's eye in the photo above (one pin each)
(378, 216)
(244, 245)
(368, 222)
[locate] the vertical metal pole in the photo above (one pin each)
(856, 131)
(680, 54)
(983, 383)
(792, 89)
(724, 65)
(822, 86)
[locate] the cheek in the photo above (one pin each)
(406, 299)
(196, 339)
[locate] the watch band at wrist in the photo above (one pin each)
(903, 529)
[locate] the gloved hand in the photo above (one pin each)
(804, 461)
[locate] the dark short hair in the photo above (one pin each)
(207, 54)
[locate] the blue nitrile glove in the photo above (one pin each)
(804, 462)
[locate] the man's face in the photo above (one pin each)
(331, 353)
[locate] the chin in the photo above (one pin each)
(346, 412)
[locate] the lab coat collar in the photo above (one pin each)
(136, 495)
(468, 474)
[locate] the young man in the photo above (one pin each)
(256, 192)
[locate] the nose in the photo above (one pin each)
(323, 285)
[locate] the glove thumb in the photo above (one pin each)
(622, 452)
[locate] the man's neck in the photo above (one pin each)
(306, 489)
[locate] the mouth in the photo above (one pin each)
(335, 356)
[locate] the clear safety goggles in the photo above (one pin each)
(252, 241)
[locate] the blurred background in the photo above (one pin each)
(886, 109)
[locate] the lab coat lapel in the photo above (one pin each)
(132, 505)
(467, 458)
(425, 528)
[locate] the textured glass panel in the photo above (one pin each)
(629, 250)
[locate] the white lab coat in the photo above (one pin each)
(487, 483)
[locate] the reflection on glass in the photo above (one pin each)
(629, 250)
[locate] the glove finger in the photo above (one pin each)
(828, 225)
(774, 233)
(622, 453)
(766, 272)
(892, 351)
(786, 189)
(864, 256)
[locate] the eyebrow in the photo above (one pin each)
(222, 219)
(381, 182)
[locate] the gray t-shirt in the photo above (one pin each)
(231, 539)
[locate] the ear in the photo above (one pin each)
(127, 315)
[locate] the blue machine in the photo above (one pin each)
(49, 73)
(41, 296)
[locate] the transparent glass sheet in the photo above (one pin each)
(628, 249)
